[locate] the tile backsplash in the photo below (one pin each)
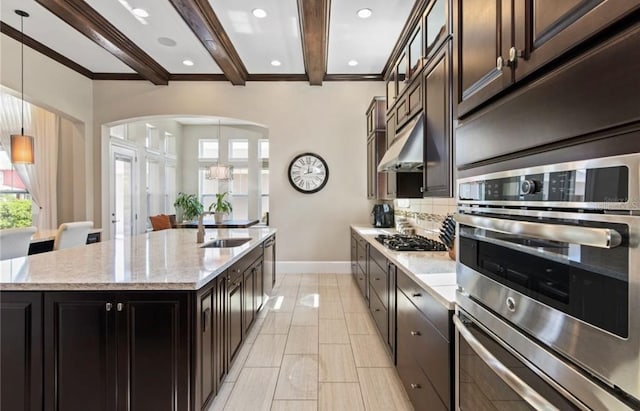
(424, 214)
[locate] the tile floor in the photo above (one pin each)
(313, 347)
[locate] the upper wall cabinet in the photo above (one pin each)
(500, 42)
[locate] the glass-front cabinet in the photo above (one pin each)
(415, 52)
(392, 90)
(436, 26)
(401, 73)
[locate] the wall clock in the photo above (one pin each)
(308, 173)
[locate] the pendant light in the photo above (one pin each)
(218, 171)
(21, 144)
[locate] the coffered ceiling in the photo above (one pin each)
(167, 40)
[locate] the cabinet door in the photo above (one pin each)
(545, 30)
(153, 351)
(80, 351)
(259, 279)
(372, 172)
(483, 37)
(438, 123)
(249, 292)
(381, 178)
(235, 319)
(354, 256)
(205, 346)
(221, 331)
(21, 351)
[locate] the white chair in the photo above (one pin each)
(14, 242)
(72, 234)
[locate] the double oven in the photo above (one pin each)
(548, 272)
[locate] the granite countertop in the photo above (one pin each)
(50, 235)
(434, 271)
(159, 260)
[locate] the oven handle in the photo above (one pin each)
(527, 393)
(594, 237)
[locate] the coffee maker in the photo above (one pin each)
(382, 216)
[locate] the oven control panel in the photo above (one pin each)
(609, 184)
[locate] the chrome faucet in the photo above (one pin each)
(200, 235)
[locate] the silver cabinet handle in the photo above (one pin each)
(593, 237)
(527, 393)
(415, 333)
(415, 386)
(416, 295)
(119, 306)
(108, 306)
(499, 63)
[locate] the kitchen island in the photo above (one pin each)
(149, 322)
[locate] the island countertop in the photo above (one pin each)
(159, 260)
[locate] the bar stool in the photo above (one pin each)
(14, 242)
(72, 234)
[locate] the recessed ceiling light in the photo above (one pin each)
(259, 13)
(353, 63)
(140, 13)
(364, 13)
(276, 63)
(166, 41)
(187, 62)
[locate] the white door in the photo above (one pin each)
(123, 189)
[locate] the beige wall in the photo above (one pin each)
(327, 120)
(60, 90)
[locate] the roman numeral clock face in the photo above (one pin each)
(308, 173)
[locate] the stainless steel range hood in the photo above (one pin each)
(406, 154)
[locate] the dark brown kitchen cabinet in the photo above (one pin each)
(258, 296)
(409, 104)
(382, 297)
(206, 345)
(116, 351)
(249, 290)
(483, 36)
(438, 138)
(21, 351)
(545, 30)
(424, 346)
(234, 314)
(220, 334)
(376, 147)
(438, 26)
(500, 42)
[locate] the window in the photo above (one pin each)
(170, 189)
(15, 200)
(263, 149)
(155, 194)
(240, 193)
(119, 131)
(169, 144)
(238, 149)
(152, 138)
(208, 149)
(207, 188)
(264, 191)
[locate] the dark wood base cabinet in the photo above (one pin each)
(125, 350)
(21, 351)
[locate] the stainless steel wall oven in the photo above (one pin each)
(549, 286)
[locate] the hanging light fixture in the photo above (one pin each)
(21, 144)
(218, 171)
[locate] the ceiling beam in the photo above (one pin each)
(199, 15)
(41, 48)
(89, 22)
(314, 25)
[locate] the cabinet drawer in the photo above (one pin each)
(430, 350)
(378, 257)
(380, 316)
(430, 308)
(379, 282)
(421, 393)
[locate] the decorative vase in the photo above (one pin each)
(218, 217)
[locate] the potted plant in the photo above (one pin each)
(220, 207)
(190, 205)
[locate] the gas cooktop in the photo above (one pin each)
(400, 242)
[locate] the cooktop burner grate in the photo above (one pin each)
(400, 242)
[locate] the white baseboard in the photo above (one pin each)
(311, 267)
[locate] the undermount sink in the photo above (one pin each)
(226, 242)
